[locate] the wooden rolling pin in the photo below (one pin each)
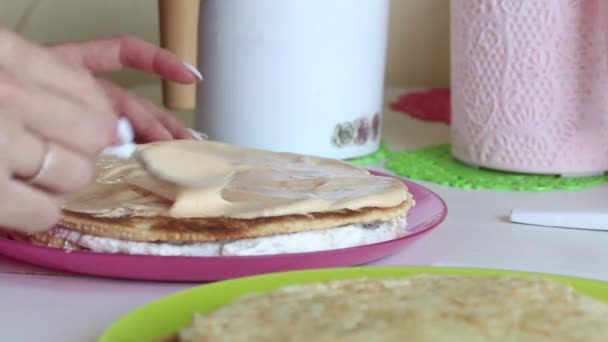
(178, 22)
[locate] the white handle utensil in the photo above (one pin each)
(128, 149)
(126, 136)
(590, 220)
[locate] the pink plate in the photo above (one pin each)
(429, 211)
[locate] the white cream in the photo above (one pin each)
(310, 241)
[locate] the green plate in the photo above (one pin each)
(167, 315)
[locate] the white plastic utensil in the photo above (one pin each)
(574, 219)
(126, 136)
(128, 149)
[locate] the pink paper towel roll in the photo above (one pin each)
(530, 85)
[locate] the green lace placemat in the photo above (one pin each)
(435, 164)
(378, 156)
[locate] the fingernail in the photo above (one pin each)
(193, 70)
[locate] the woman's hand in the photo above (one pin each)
(54, 120)
(149, 122)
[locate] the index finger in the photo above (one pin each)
(113, 54)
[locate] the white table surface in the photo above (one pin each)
(40, 305)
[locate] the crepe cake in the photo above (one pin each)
(246, 202)
(421, 308)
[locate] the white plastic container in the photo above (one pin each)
(304, 76)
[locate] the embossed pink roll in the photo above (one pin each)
(530, 85)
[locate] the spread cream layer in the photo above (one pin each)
(302, 242)
(229, 181)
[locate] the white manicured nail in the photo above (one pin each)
(193, 70)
